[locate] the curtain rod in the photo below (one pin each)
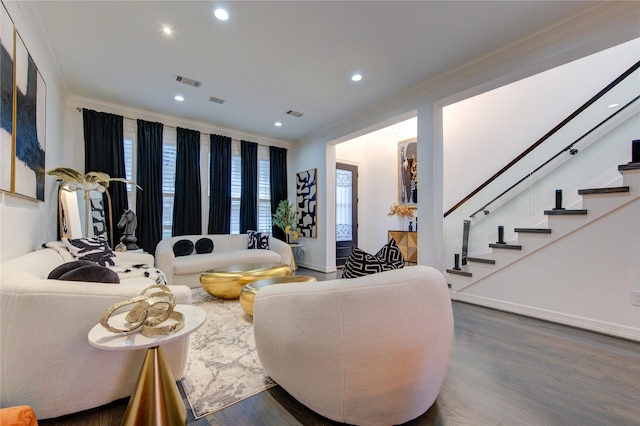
(173, 127)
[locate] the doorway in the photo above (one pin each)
(346, 211)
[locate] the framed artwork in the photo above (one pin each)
(306, 203)
(6, 99)
(408, 172)
(29, 125)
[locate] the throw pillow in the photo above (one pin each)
(92, 273)
(95, 249)
(204, 245)
(361, 263)
(98, 217)
(59, 248)
(390, 254)
(183, 248)
(59, 271)
(258, 240)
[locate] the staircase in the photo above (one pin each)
(486, 276)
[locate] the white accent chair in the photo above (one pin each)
(372, 350)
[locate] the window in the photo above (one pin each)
(129, 132)
(264, 189)
(236, 173)
(168, 180)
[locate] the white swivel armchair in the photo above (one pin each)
(368, 351)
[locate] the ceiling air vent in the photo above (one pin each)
(188, 81)
(216, 100)
(294, 113)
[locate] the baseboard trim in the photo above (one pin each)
(597, 326)
(319, 268)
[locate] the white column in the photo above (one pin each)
(430, 186)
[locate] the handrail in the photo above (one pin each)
(550, 133)
(568, 148)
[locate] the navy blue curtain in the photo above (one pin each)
(249, 186)
(187, 211)
(104, 152)
(220, 185)
(149, 199)
(277, 183)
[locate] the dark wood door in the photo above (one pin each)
(346, 211)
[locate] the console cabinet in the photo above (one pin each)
(407, 241)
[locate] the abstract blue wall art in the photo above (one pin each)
(29, 167)
(306, 203)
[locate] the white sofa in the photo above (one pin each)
(47, 361)
(228, 249)
(372, 350)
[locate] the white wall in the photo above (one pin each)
(25, 224)
(609, 25)
(376, 155)
(485, 132)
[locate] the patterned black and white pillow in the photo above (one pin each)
(390, 254)
(95, 249)
(258, 240)
(98, 218)
(361, 263)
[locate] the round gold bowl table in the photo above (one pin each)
(227, 282)
(250, 290)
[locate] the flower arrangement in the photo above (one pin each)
(400, 210)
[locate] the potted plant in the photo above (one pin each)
(285, 219)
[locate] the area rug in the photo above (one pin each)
(222, 365)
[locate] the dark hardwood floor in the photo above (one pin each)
(505, 370)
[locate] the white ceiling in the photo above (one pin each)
(271, 57)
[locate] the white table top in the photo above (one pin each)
(101, 338)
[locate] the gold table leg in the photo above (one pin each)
(156, 399)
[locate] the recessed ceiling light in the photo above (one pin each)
(277, 124)
(167, 30)
(613, 105)
(178, 98)
(221, 14)
(356, 77)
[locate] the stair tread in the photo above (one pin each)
(565, 212)
(459, 272)
(629, 166)
(609, 190)
(506, 246)
(533, 230)
(481, 260)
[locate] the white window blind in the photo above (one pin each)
(264, 188)
(168, 179)
(130, 165)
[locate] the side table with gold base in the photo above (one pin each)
(156, 399)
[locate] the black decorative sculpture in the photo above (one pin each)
(129, 222)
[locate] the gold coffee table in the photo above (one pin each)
(250, 290)
(227, 282)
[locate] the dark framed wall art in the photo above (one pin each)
(408, 172)
(306, 203)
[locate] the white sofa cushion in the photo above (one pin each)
(198, 263)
